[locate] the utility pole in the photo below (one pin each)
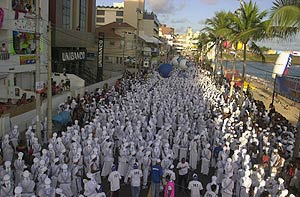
(123, 62)
(38, 84)
(49, 89)
(138, 12)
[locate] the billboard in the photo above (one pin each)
(288, 87)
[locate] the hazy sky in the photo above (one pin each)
(192, 13)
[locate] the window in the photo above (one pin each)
(66, 12)
(82, 24)
(101, 12)
(100, 20)
(119, 13)
(119, 20)
(23, 42)
(26, 6)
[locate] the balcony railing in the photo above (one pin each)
(4, 55)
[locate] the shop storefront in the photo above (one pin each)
(69, 60)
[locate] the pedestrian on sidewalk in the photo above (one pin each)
(156, 176)
(135, 176)
(170, 187)
(183, 169)
(114, 179)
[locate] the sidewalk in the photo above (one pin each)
(288, 108)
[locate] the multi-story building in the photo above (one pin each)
(119, 46)
(74, 44)
(167, 35)
(18, 47)
(133, 10)
(146, 26)
(186, 43)
(109, 14)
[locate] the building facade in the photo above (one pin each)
(119, 46)
(109, 14)
(74, 44)
(18, 58)
(132, 11)
(187, 44)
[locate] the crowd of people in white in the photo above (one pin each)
(164, 130)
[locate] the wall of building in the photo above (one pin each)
(130, 14)
(109, 15)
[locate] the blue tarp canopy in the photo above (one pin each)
(62, 118)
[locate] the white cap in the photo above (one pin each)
(18, 190)
(6, 177)
(26, 173)
(59, 191)
(47, 181)
(7, 163)
(20, 154)
(64, 166)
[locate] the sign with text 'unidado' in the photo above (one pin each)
(67, 56)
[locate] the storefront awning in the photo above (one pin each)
(3, 76)
(149, 39)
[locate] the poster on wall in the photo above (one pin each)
(27, 59)
(39, 85)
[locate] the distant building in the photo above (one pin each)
(73, 33)
(18, 48)
(119, 44)
(187, 44)
(133, 10)
(165, 30)
(109, 14)
(146, 25)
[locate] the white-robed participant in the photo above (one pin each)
(227, 186)
(146, 163)
(47, 190)
(108, 160)
(123, 159)
(14, 136)
(183, 146)
(27, 184)
(19, 165)
(206, 156)
(91, 187)
(245, 183)
(7, 149)
(64, 180)
(193, 153)
(213, 182)
(7, 188)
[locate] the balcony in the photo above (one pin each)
(4, 55)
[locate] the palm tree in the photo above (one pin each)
(285, 18)
(284, 23)
(217, 28)
(248, 26)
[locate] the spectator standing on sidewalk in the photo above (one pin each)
(156, 176)
(135, 176)
(114, 179)
(183, 170)
(170, 187)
